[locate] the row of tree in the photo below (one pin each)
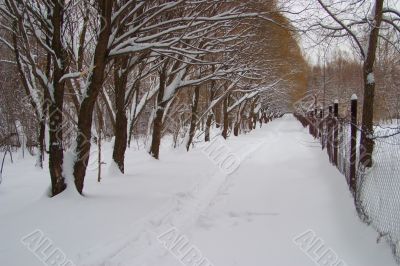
(97, 68)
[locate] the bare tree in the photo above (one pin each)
(364, 25)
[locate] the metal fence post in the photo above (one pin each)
(353, 143)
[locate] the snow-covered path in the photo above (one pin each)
(283, 188)
(286, 188)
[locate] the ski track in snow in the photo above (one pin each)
(183, 211)
(283, 187)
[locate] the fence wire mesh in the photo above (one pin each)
(379, 189)
(377, 195)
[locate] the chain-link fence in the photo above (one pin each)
(376, 190)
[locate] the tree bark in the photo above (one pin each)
(121, 137)
(85, 116)
(255, 120)
(239, 118)
(41, 142)
(208, 127)
(100, 123)
(367, 143)
(225, 117)
(121, 121)
(236, 129)
(109, 109)
(158, 120)
(56, 151)
(193, 119)
(253, 116)
(217, 115)
(211, 115)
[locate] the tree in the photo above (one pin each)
(353, 20)
(45, 25)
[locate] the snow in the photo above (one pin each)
(283, 187)
(170, 90)
(73, 75)
(371, 78)
(379, 192)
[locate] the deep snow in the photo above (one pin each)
(283, 187)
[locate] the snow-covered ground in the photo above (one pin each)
(381, 185)
(277, 208)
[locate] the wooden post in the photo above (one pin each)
(315, 128)
(330, 133)
(353, 144)
(321, 127)
(335, 132)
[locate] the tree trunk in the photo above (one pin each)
(56, 151)
(225, 117)
(236, 125)
(208, 127)
(367, 143)
(121, 138)
(193, 119)
(252, 116)
(157, 132)
(134, 116)
(99, 160)
(211, 115)
(83, 141)
(121, 121)
(45, 109)
(100, 123)
(109, 109)
(96, 79)
(217, 115)
(250, 122)
(41, 142)
(158, 120)
(236, 129)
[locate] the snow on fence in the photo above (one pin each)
(376, 190)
